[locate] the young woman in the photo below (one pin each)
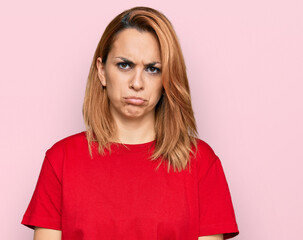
(138, 171)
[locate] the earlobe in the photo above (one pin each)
(101, 71)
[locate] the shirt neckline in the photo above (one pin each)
(132, 147)
(136, 146)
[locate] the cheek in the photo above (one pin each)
(157, 93)
(113, 85)
(159, 87)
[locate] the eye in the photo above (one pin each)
(123, 65)
(153, 70)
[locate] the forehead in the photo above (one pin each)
(137, 45)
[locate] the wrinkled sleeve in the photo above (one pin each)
(44, 209)
(216, 210)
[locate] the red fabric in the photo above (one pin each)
(122, 196)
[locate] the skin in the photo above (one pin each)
(124, 83)
(46, 234)
(212, 237)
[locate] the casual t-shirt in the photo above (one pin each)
(121, 195)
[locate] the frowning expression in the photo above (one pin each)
(132, 74)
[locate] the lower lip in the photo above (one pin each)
(134, 101)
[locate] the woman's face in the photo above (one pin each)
(132, 75)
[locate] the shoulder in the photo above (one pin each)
(73, 143)
(205, 156)
(204, 149)
(65, 150)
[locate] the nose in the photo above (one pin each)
(137, 81)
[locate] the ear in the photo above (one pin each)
(101, 71)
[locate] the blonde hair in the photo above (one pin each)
(175, 124)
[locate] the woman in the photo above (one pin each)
(114, 181)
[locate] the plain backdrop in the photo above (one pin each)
(245, 66)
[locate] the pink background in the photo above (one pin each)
(245, 66)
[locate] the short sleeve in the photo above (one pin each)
(44, 209)
(216, 210)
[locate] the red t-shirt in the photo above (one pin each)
(122, 196)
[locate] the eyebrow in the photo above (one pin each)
(130, 62)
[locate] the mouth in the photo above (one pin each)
(135, 100)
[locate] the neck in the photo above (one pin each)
(136, 130)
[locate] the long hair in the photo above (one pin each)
(175, 124)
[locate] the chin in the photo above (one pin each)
(134, 113)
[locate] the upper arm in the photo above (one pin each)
(46, 234)
(212, 237)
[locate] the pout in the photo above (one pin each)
(135, 101)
